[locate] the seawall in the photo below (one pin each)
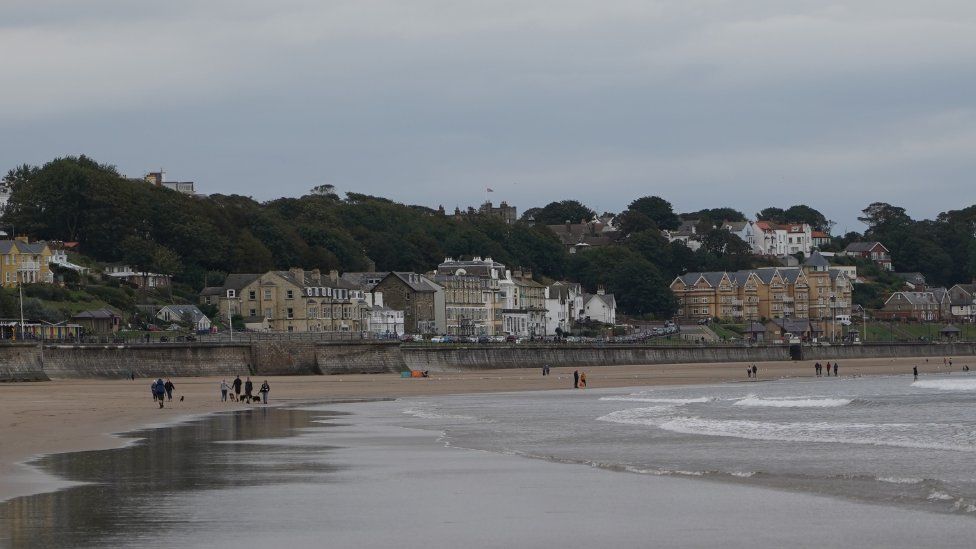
(30, 362)
(492, 356)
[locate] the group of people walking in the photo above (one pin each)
(162, 391)
(752, 372)
(819, 369)
(248, 386)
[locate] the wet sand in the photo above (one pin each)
(65, 416)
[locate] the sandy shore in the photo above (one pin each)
(64, 416)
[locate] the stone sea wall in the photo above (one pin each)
(29, 362)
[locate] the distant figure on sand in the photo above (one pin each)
(159, 389)
(582, 380)
(748, 371)
(264, 390)
(237, 388)
(248, 390)
(915, 372)
(224, 388)
(755, 372)
(576, 379)
(828, 369)
(816, 369)
(169, 389)
(835, 369)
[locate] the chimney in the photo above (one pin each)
(298, 273)
(22, 238)
(334, 275)
(600, 290)
(317, 276)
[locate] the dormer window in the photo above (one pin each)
(231, 294)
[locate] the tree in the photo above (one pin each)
(657, 210)
(796, 214)
(557, 213)
(324, 190)
(718, 214)
(878, 214)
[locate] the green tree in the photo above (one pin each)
(557, 213)
(657, 210)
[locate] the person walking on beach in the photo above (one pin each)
(828, 368)
(748, 371)
(582, 380)
(836, 364)
(248, 390)
(152, 390)
(237, 388)
(159, 389)
(576, 378)
(224, 388)
(264, 390)
(816, 369)
(169, 389)
(755, 372)
(915, 372)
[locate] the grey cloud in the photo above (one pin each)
(706, 103)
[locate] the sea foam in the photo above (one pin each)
(652, 400)
(799, 402)
(947, 384)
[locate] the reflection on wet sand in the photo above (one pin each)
(126, 488)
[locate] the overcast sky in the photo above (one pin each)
(706, 103)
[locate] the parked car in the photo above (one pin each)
(438, 339)
(484, 339)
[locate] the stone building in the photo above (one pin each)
(814, 291)
(421, 300)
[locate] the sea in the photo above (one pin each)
(816, 462)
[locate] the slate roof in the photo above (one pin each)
(863, 246)
(361, 279)
(103, 313)
(414, 281)
(607, 299)
(180, 310)
(239, 281)
(912, 278)
(816, 260)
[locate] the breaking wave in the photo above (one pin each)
(754, 401)
(947, 384)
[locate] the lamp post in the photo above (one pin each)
(833, 317)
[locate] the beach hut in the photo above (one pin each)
(950, 332)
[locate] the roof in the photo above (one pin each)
(816, 260)
(754, 327)
(735, 226)
(793, 325)
(363, 280)
(607, 299)
(950, 329)
(182, 310)
(238, 281)
(819, 234)
(914, 298)
(863, 246)
(913, 278)
(103, 313)
(414, 281)
(212, 290)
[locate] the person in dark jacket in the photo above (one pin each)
(264, 390)
(248, 390)
(169, 389)
(237, 387)
(159, 389)
(576, 379)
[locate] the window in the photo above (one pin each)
(290, 294)
(252, 295)
(290, 313)
(231, 293)
(267, 313)
(252, 312)
(313, 312)
(267, 294)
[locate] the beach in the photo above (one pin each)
(65, 416)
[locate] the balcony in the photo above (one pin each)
(787, 299)
(787, 310)
(736, 314)
(839, 304)
(737, 302)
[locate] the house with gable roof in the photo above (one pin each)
(874, 251)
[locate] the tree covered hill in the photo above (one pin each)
(200, 239)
